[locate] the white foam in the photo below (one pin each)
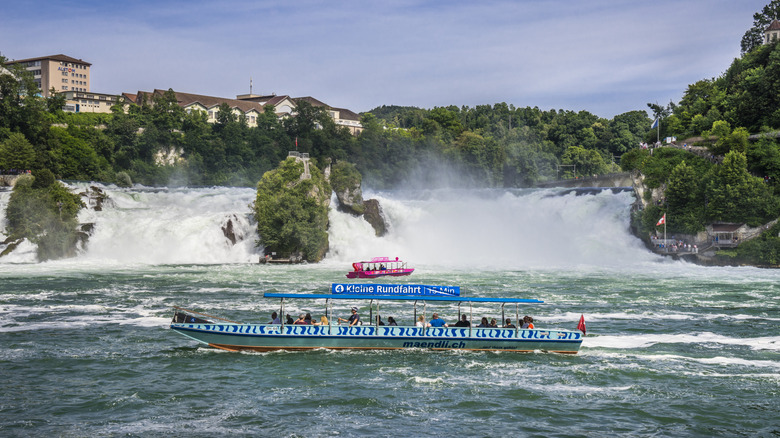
(639, 341)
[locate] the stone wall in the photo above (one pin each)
(8, 180)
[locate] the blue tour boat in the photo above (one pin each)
(234, 336)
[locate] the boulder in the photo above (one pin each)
(373, 215)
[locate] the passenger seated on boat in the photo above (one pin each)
(354, 319)
(391, 321)
(289, 319)
(509, 324)
(300, 320)
(528, 322)
(420, 321)
(493, 323)
(464, 322)
(484, 323)
(379, 320)
(275, 318)
(307, 319)
(436, 322)
(323, 321)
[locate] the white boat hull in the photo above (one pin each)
(269, 337)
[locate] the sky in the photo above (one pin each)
(607, 57)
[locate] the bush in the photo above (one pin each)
(44, 212)
(122, 179)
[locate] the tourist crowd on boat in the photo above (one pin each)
(527, 322)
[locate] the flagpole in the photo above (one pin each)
(666, 244)
(658, 132)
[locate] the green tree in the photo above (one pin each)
(292, 212)
(733, 195)
(587, 162)
(16, 153)
(754, 36)
(45, 213)
(684, 202)
(763, 159)
(21, 107)
(74, 157)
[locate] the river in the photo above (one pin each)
(672, 349)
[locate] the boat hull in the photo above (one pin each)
(267, 337)
(379, 273)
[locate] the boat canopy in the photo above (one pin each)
(401, 297)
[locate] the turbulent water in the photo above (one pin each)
(673, 349)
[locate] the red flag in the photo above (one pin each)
(662, 220)
(581, 325)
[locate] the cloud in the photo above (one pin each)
(603, 56)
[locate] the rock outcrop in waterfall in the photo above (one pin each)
(291, 209)
(346, 182)
(43, 211)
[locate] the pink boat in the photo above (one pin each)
(379, 267)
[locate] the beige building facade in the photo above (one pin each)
(60, 72)
(89, 102)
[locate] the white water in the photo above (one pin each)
(494, 229)
(163, 226)
(485, 229)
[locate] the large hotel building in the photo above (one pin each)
(60, 72)
(69, 76)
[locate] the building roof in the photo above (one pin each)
(775, 25)
(312, 101)
(725, 228)
(60, 57)
(186, 99)
(344, 114)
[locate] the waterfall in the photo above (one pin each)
(494, 228)
(489, 228)
(167, 226)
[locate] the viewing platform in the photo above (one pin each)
(304, 157)
(611, 180)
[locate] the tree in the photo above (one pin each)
(587, 162)
(16, 153)
(21, 107)
(754, 36)
(683, 199)
(733, 195)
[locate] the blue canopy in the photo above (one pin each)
(400, 297)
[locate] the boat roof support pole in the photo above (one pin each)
(377, 317)
(503, 318)
(415, 313)
(371, 310)
(517, 320)
(459, 311)
(328, 305)
(281, 314)
(471, 317)
(425, 325)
